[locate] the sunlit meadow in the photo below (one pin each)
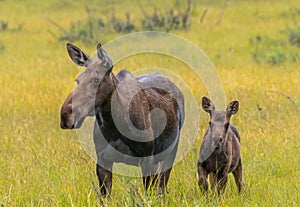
(43, 165)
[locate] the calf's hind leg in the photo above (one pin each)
(238, 177)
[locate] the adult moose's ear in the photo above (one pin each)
(232, 108)
(78, 57)
(103, 57)
(207, 105)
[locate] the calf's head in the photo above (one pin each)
(219, 121)
(94, 87)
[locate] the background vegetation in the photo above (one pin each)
(254, 46)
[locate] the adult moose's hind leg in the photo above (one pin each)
(238, 177)
(164, 178)
(167, 162)
(105, 180)
(150, 175)
(149, 181)
(149, 171)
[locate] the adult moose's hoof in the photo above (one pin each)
(202, 183)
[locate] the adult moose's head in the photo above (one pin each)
(94, 86)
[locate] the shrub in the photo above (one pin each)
(2, 47)
(3, 25)
(294, 36)
(172, 19)
(88, 30)
(269, 50)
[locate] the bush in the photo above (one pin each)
(172, 19)
(266, 49)
(294, 36)
(2, 47)
(274, 51)
(88, 31)
(4, 27)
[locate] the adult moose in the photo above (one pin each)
(220, 149)
(138, 120)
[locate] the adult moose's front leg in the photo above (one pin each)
(105, 180)
(202, 180)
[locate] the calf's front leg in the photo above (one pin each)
(202, 174)
(222, 178)
(213, 181)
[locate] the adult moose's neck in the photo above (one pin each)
(106, 106)
(127, 99)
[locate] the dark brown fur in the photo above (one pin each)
(220, 149)
(155, 92)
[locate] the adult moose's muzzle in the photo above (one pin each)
(67, 118)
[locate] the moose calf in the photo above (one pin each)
(220, 149)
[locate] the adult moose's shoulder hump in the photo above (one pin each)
(220, 149)
(130, 126)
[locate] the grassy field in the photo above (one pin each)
(43, 165)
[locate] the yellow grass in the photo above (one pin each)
(43, 165)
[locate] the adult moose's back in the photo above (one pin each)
(138, 119)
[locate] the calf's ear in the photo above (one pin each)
(207, 105)
(232, 108)
(77, 55)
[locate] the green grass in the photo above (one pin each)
(42, 165)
